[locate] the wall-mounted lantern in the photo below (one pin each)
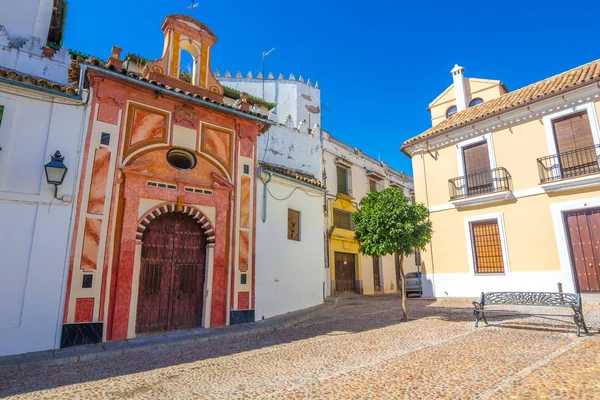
(56, 171)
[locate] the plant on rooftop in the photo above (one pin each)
(386, 224)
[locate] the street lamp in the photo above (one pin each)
(56, 171)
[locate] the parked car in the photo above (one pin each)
(413, 283)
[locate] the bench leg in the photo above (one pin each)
(578, 319)
(479, 314)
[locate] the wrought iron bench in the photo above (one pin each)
(544, 299)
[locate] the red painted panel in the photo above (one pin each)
(109, 113)
(84, 310)
(243, 300)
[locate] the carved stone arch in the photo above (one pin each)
(172, 207)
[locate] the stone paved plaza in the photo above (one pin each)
(360, 349)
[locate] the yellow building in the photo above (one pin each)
(512, 180)
(350, 175)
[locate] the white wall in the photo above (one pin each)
(34, 227)
(289, 273)
(287, 94)
(24, 26)
(295, 150)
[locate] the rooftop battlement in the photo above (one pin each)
(270, 77)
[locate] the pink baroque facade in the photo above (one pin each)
(165, 224)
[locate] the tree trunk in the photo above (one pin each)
(404, 306)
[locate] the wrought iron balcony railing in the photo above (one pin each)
(479, 183)
(570, 164)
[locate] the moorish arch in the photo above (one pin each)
(172, 207)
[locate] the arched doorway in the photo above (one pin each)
(172, 274)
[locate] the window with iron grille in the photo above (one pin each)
(293, 225)
(487, 247)
(344, 180)
(342, 219)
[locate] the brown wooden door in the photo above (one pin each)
(376, 276)
(171, 275)
(477, 169)
(345, 274)
(584, 238)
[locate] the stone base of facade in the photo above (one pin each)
(241, 317)
(79, 334)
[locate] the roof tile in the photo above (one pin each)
(529, 94)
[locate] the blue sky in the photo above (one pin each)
(379, 63)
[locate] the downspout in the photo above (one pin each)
(265, 183)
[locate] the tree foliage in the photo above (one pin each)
(386, 223)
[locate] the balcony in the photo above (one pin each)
(480, 187)
(571, 169)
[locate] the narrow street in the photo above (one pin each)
(360, 349)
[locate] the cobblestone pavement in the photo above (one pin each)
(360, 349)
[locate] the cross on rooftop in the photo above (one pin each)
(192, 6)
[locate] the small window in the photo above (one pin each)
(475, 101)
(342, 220)
(293, 225)
(1, 112)
(451, 111)
(487, 247)
(181, 159)
(372, 185)
(343, 180)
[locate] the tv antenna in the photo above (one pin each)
(191, 7)
(264, 55)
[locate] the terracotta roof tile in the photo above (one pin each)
(292, 173)
(15, 76)
(74, 74)
(508, 101)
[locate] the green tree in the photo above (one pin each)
(386, 223)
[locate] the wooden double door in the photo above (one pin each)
(172, 274)
(583, 229)
(345, 273)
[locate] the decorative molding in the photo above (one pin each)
(175, 207)
(569, 184)
(483, 199)
(187, 116)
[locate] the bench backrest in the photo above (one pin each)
(552, 299)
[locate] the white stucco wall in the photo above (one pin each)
(296, 150)
(291, 97)
(35, 228)
(289, 273)
(24, 26)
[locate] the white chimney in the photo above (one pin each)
(459, 87)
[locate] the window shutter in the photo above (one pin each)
(573, 133)
(349, 181)
(477, 161)
(477, 158)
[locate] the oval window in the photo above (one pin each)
(181, 159)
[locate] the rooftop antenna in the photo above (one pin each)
(191, 7)
(264, 55)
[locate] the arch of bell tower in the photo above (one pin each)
(183, 33)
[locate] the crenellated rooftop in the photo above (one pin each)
(259, 76)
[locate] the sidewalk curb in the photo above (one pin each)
(109, 350)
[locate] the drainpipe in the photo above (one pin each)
(264, 216)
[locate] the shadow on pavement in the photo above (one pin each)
(354, 314)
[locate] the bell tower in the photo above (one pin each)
(183, 33)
